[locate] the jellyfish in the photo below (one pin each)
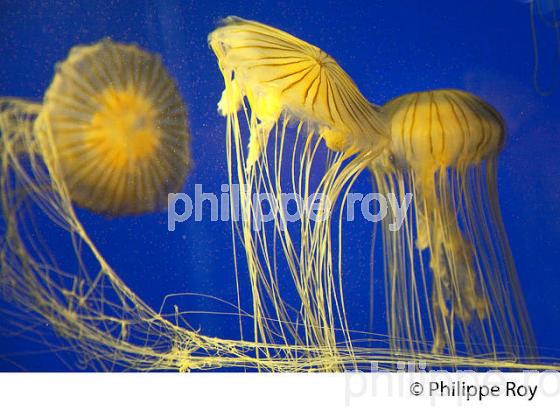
(118, 128)
(283, 89)
(545, 20)
(112, 136)
(451, 283)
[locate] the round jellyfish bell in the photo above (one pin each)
(278, 72)
(118, 127)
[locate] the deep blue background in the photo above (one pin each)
(388, 47)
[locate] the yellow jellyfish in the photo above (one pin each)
(275, 82)
(118, 128)
(451, 282)
(111, 136)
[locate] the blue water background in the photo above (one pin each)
(388, 47)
